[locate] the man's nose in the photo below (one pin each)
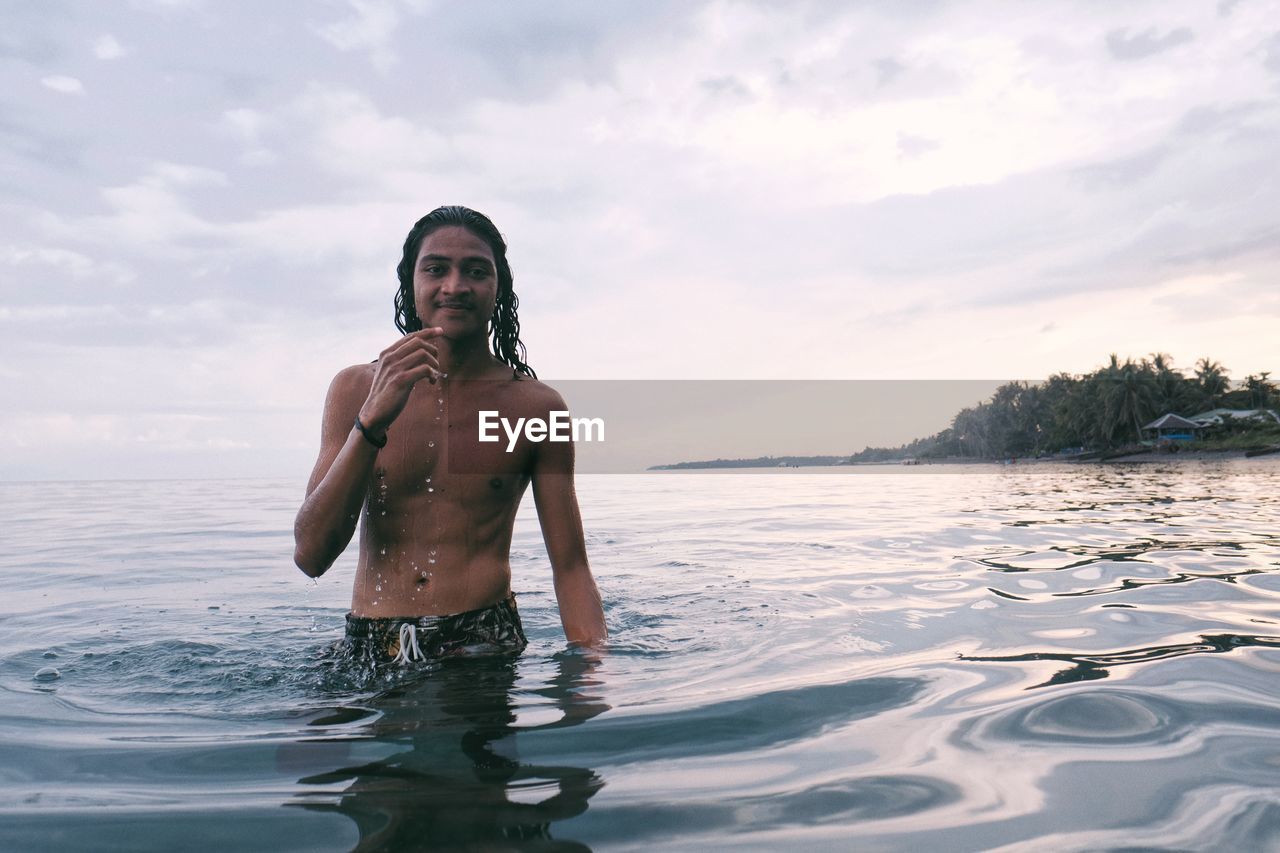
(454, 282)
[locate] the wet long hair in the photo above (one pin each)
(504, 325)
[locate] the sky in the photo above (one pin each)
(202, 203)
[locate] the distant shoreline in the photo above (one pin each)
(1090, 459)
(1143, 457)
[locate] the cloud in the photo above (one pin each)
(167, 5)
(63, 84)
(64, 262)
(350, 136)
(247, 126)
(1122, 171)
(888, 69)
(107, 47)
(28, 45)
(1271, 53)
(371, 29)
(153, 214)
(727, 86)
(915, 146)
(1140, 45)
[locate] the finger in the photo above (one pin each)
(408, 354)
(416, 358)
(420, 335)
(416, 341)
(404, 375)
(428, 372)
(400, 376)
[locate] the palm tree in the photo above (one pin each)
(1169, 383)
(1083, 410)
(1260, 390)
(1211, 378)
(1128, 396)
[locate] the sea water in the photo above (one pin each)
(1066, 657)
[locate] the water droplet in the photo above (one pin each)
(431, 444)
(440, 400)
(431, 560)
(378, 588)
(431, 488)
(383, 552)
(47, 673)
(384, 512)
(51, 654)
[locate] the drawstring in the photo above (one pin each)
(408, 640)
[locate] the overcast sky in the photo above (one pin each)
(202, 203)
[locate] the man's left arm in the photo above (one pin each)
(581, 612)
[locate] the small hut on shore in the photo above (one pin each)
(1217, 417)
(1171, 427)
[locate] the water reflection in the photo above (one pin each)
(1180, 577)
(454, 776)
(1146, 550)
(1091, 667)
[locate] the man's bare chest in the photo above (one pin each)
(436, 443)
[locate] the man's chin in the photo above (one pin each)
(457, 328)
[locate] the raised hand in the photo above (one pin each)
(400, 366)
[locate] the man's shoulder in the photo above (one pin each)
(536, 394)
(353, 380)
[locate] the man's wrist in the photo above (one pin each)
(378, 441)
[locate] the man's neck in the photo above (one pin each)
(464, 358)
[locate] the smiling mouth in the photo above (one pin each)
(453, 306)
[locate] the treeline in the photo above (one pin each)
(1102, 410)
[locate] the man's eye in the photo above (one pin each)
(479, 273)
(433, 269)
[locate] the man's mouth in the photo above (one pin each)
(456, 306)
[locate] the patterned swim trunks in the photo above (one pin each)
(493, 630)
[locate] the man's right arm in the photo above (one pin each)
(336, 492)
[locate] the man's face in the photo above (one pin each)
(455, 282)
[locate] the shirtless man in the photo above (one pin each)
(400, 451)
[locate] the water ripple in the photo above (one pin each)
(1093, 666)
